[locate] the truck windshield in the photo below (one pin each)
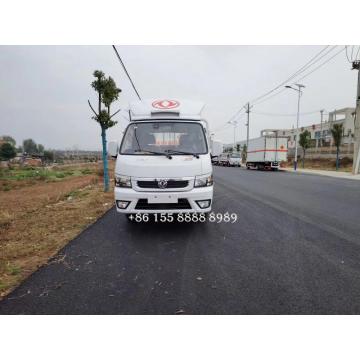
(164, 137)
(235, 156)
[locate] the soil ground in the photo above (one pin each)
(323, 164)
(40, 214)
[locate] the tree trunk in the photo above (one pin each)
(105, 162)
(303, 162)
(337, 158)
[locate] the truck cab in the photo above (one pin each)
(163, 162)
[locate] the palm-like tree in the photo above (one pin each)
(107, 94)
(304, 142)
(337, 133)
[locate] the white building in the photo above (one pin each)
(321, 131)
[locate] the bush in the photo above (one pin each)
(7, 151)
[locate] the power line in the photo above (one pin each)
(315, 59)
(357, 53)
(126, 72)
(278, 114)
(231, 119)
(325, 62)
(306, 75)
(270, 97)
(303, 68)
(347, 55)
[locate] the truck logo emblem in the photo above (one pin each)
(162, 184)
(165, 104)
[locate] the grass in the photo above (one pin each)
(24, 176)
(42, 216)
(324, 164)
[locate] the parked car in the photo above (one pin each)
(230, 159)
(215, 160)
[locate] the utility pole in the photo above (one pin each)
(356, 161)
(321, 127)
(247, 125)
(234, 137)
(297, 120)
(234, 123)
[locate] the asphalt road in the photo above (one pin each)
(295, 249)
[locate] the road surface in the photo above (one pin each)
(295, 249)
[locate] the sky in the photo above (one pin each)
(44, 89)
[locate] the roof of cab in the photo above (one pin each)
(166, 108)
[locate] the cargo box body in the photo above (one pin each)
(266, 152)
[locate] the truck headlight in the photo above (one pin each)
(204, 180)
(122, 181)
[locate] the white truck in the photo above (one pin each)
(163, 162)
(267, 151)
(216, 148)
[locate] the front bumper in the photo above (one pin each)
(161, 205)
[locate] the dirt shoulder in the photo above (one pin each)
(323, 164)
(37, 220)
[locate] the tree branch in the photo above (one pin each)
(115, 113)
(92, 108)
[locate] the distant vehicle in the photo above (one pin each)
(215, 160)
(235, 159)
(229, 159)
(267, 151)
(163, 163)
(217, 147)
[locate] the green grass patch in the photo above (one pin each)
(13, 270)
(41, 174)
(77, 194)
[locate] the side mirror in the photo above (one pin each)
(113, 148)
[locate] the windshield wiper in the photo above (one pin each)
(150, 152)
(155, 153)
(182, 153)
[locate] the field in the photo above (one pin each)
(42, 210)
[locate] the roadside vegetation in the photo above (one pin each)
(324, 164)
(17, 177)
(32, 202)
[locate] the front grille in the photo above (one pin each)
(171, 184)
(182, 204)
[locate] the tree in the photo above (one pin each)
(107, 94)
(337, 133)
(7, 151)
(40, 149)
(9, 139)
(244, 153)
(29, 146)
(111, 93)
(48, 155)
(304, 142)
